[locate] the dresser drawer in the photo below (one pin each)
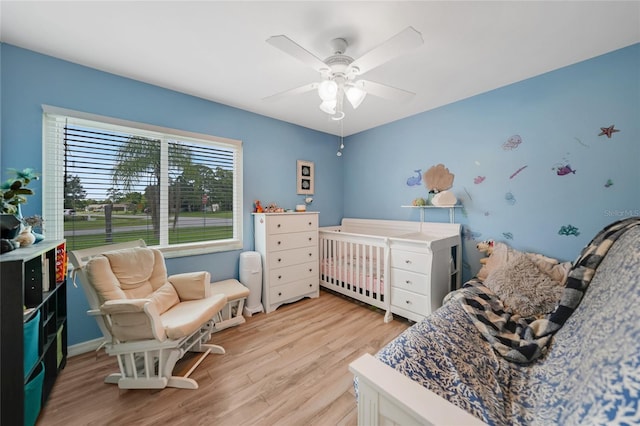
(411, 261)
(284, 258)
(289, 274)
(293, 290)
(412, 281)
(291, 241)
(292, 223)
(410, 301)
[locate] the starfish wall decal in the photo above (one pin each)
(608, 131)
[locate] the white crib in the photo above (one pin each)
(399, 266)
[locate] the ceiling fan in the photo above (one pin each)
(340, 74)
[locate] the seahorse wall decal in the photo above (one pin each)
(415, 180)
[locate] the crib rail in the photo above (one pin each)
(355, 265)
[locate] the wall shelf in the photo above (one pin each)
(452, 211)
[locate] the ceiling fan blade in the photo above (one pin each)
(291, 92)
(383, 91)
(401, 43)
(292, 48)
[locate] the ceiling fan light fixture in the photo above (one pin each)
(338, 72)
(329, 106)
(338, 116)
(355, 95)
(328, 90)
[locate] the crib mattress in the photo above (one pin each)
(361, 276)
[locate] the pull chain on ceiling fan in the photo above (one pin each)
(340, 72)
(339, 153)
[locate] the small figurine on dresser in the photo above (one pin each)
(258, 208)
(273, 208)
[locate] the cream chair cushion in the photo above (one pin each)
(184, 317)
(135, 273)
(165, 297)
(103, 280)
(139, 269)
(192, 285)
(134, 319)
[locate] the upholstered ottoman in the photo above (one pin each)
(231, 314)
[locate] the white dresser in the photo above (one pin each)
(288, 244)
(421, 273)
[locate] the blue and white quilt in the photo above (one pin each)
(590, 375)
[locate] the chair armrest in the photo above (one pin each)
(191, 285)
(134, 319)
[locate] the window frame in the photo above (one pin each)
(53, 176)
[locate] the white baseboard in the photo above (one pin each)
(84, 347)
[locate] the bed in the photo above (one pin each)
(444, 371)
(401, 267)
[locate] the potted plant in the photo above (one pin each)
(14, 192)
(15, 189)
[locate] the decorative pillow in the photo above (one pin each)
(500, 255)
(165, 297)
(523, 288)
(550, 266)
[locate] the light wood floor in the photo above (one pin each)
(285, 368)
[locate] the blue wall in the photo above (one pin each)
(557, 115)
(271, 147)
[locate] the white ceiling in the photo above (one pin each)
(217, 51)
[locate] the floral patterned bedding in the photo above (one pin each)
(591, 374)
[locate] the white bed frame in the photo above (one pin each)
(387, 397)
(373, 240)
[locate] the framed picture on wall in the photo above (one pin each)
(305, 177)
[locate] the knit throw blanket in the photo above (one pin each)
(523, 340)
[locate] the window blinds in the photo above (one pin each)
(108, 183)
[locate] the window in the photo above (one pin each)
(107, 181)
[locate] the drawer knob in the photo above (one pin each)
(408, 262)
(309, 223)
(279, 277)
(407, 282)
(279, 225)
(310, 254)
(310, 238)
(310, 285)
(279, 242)
(408, 302)
(279, 293)
(279, 260)
(310, 269)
